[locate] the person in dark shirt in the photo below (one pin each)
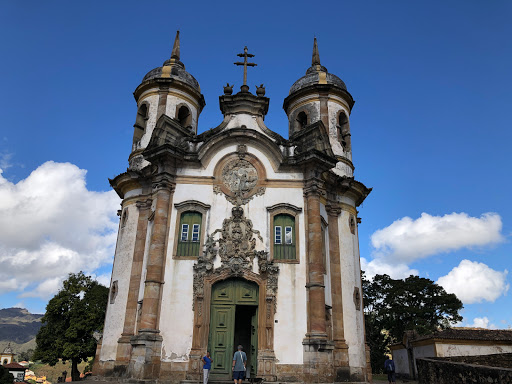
(389, 367)
(207, 365)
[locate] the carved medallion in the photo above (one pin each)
(240, 176)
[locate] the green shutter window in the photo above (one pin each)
(190, 235)
(284, 244)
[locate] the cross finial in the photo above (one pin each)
(245, 55)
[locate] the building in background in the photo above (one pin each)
(7, 356)
(450, 342)
(237, 236)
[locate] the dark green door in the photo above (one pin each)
(222, 320)
(233, 321)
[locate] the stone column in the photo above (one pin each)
(315, 283)
(124, 346)
(340, 353)
(147, 344)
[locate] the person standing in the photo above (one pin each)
(389, 367)
(239, 365)
(207, 365)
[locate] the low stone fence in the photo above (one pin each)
(492, 369)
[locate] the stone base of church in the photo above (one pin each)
(145, 361)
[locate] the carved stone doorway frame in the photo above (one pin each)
(266, 311)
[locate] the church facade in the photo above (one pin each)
(237, 236)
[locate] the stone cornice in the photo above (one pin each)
(346, 185)
(324, 89)
(244, 102)
(126, 182)
(167, 84)
(285, 206)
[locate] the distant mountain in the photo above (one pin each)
(19, 326)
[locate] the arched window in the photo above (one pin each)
(344, 131)
(284, 237)
(302, 120)
(189, 234)
(184, 116)
(140, 123)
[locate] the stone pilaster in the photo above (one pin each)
(340, 352)
(124, 346)
(162, 102)
(315, 282)
(147, 344)
(317, 348)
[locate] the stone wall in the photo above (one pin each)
(495, 369)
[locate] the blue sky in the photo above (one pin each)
(430, 127)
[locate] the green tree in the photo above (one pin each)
(69, 322)
(394, 306)
(5, 376)
(26, 355)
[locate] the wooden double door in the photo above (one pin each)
(233, 322)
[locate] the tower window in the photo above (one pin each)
(184, 116)
(140, 123)
(344, 131)
(302, 120)
(284, 248)
(190, 234)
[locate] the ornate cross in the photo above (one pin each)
(245, 55)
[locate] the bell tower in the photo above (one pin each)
(167, 90)
(322, 96)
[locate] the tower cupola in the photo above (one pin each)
(323, 96)
(166, 90)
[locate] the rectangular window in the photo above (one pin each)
(288, 238)
(195, 232)
(184, 232)
(278, 235)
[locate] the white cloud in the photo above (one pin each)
(482, 322)
(474, 282)
(381, 267)
(407, 240)
(5, 161)
(103, 279)
(53, 225)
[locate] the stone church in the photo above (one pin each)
(237, 236)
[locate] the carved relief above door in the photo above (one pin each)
(239, 176)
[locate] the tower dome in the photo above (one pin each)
(317, 74)
(167, 90)
(323, 96)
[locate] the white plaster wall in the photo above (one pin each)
(401, 360)
(114, 319)
(176, 316)
(445, 350)
(249, 121)
(423, 351)
(350, 278)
